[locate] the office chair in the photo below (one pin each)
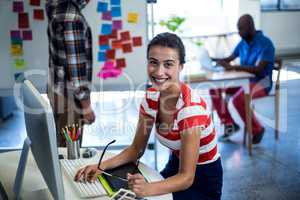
(277, 68)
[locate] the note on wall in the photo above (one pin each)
(16, 50)
(133, 17)
(116, 11)
(19, 63)
(23, 20)
(38, 14)
(117, 24)
(18, 6)
(35, 2)
(102, 6)
(106, 29)
(27, 35)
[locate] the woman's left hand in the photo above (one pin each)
(138, 185)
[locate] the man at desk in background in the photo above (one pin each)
(70, 64)
(257, 55)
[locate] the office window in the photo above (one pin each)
(269, 4)
(290, 4)
(280, 5)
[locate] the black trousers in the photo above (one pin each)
(207, 183)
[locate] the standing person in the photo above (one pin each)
(70, 64)
(182, 123)
(257, 55)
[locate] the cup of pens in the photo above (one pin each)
(71, 134)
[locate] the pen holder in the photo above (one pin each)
(73, 149)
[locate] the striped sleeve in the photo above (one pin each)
(192, 116)
(146, 109)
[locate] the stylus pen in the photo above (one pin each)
(115, 176)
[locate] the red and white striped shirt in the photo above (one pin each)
(191, 112)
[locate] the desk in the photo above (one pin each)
(225, 79)
(34, 185)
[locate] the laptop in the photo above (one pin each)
(208, 64)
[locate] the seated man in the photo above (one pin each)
(256, 53)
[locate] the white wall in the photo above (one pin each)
(284, 30)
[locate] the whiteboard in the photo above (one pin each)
(36, 51)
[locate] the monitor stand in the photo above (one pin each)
(21, 168)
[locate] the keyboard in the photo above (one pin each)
(85, 190)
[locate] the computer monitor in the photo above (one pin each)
(41, 138)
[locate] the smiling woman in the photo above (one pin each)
(182, 123)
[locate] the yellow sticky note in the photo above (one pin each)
(133, 17)
(20, 63)
(16, 50)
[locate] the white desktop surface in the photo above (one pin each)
(34, 186)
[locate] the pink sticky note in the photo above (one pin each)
(108, 65)
(18, 6)
(117, 24)
(112, 73)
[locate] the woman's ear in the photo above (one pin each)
(180, 67)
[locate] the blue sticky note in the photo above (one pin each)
(116, 11)
(102, 7)
(115, 2)
(104, 47)
(101, 56)
(106, 29)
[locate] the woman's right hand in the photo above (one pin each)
(88, 173)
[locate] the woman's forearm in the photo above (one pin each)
(127, 155)
(174, 183)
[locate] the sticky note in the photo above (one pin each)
(15, 34)
(111, 73)
(19, 76)
(133, 17)
(18, 6)
(17, 41)
(104, 47)
(102, 6)
(19, 63)
(120, 63)
(35, 2)
(108, 65)
(103, 40)
(38, 14)
(126, 48)
(23, 20)
(110, 54)
(106, 29)
(137, 41)
(106, 15)
(125, 35)
(117, 24)
(116, 11)
(113, 35)
(27, 35)
(101, 56)
(116, 44)
(115, 2)
(16, 50)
